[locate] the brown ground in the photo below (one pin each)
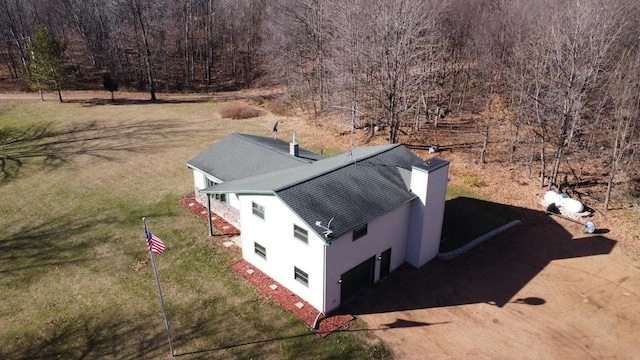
(543, 289)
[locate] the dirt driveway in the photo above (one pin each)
(541, 290)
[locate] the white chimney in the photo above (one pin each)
(293, 147)
(429, 183)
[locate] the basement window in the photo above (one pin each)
(216, 197)
(301, 276)
(220, 198)
(360, 232)
(258, 210)
(260, 250)
(300, 234)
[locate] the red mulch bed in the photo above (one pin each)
(218, 222)
(288, 300)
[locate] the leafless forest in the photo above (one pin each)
(556, 81)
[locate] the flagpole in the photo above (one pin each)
(155, 272)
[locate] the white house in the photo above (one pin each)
(325, 228)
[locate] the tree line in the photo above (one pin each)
(164, 45)
(566, 73)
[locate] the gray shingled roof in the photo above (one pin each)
(257, 154)
(353, 188)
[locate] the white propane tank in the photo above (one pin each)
(552, 197)
(572, 205)
(562, 200)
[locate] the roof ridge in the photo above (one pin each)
(338, 167)
(249, 137)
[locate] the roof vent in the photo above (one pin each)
(293, 147)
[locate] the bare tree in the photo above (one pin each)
(581, 39)
(299, 48)
(625, 98)
(139, 15)
(15, 27)
(564, 59)
(398, 42)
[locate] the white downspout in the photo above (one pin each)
(324, 287)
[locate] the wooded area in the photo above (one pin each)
(562, 78)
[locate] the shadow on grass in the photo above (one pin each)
(54, 147)
(33, 250)
(90, 339)
(399, 323)
(124, 101)
(219, 95)
(492, 273)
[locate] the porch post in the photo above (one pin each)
(209, 215)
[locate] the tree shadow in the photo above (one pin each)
(54, 147)
(125, 101)
(28, 252)
(84, 338)
(241, 344)
(399, 323)
(493, 273)
(402, 323)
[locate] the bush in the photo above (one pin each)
(473, 180)
(238, 110)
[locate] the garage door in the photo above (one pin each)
(356, 280)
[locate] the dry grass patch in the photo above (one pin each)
(239, 110)
(278, 107)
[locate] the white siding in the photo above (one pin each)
(199, 180)
(389, 231)
(284, 251)
(234, 201)
(434, 213)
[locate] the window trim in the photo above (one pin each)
(257, 210)
(260, 250)
(301, 233)
(301, 276)
(360, 232)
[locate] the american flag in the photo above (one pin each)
(154, 243)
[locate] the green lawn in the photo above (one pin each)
(75, 279)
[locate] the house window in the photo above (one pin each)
(359, 232)
(258, 210)
(301, 276)
(260, 250)
(300, 233)
(220, 198)
(216, 197)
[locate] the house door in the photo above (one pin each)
(385, 263)
(356, 280)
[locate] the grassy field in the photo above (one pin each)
(75, 279)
